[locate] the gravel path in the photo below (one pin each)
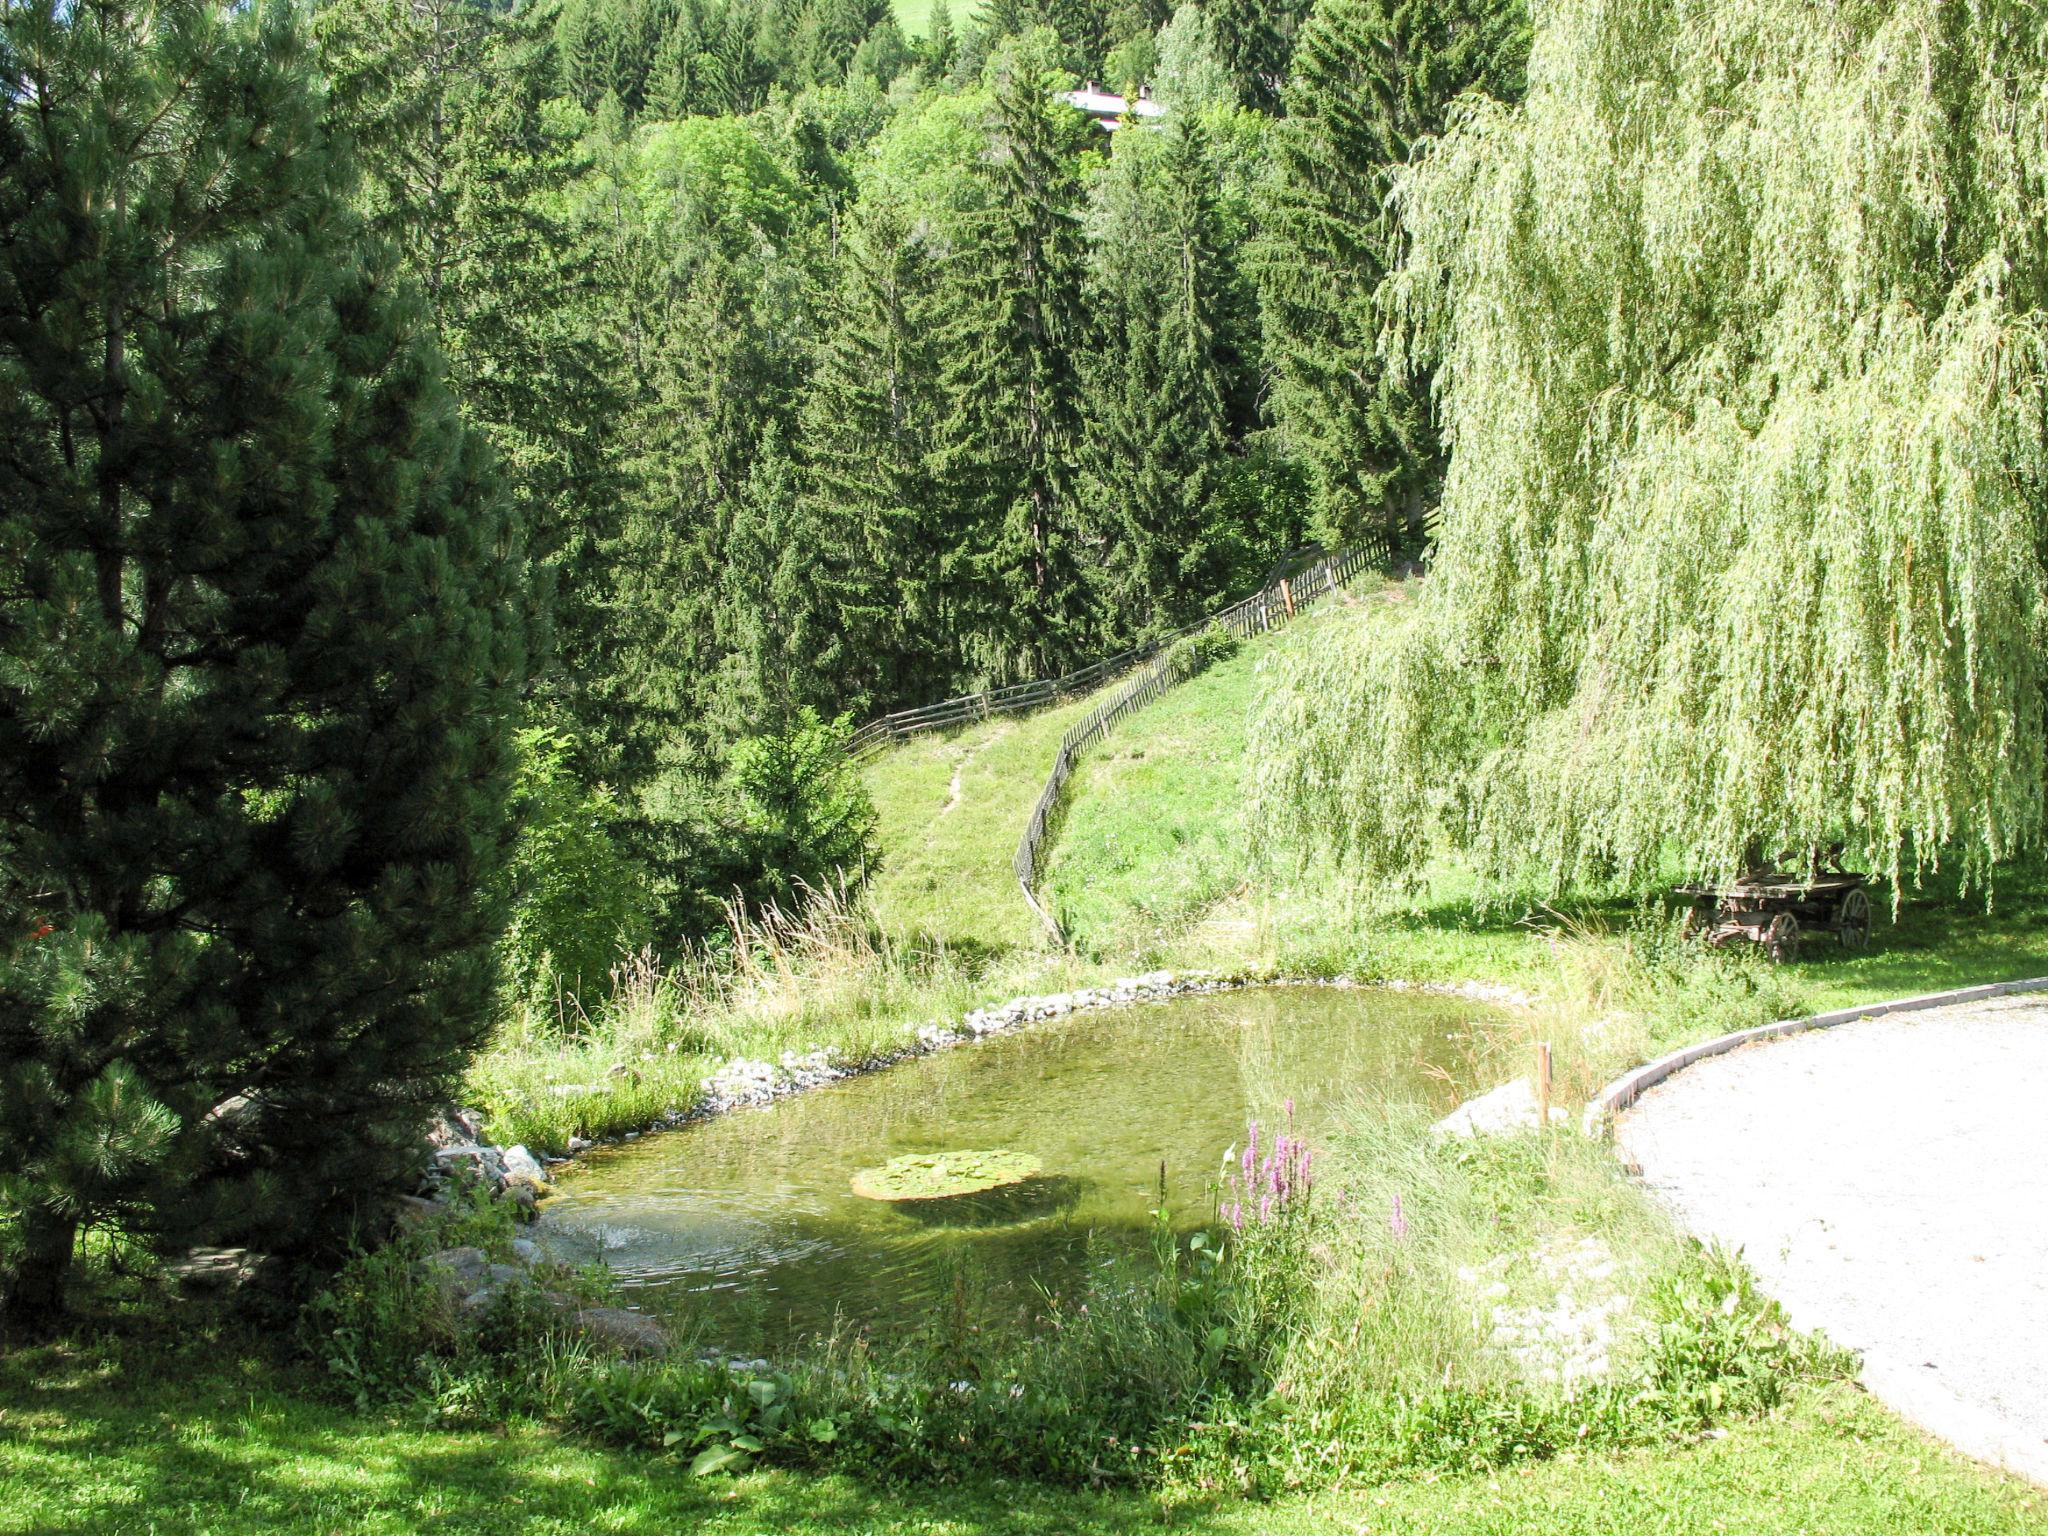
(1888, 1181)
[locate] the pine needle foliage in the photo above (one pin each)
(1372, 80)
(1008, 451)
(1740, 338)
(260, 646)
(1156, 435)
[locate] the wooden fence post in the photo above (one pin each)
(1287, 596)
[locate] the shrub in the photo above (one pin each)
(578, 903)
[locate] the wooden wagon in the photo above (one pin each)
(1777, 910)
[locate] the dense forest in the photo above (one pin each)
(833, 371)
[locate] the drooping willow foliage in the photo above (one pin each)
(1739, 337)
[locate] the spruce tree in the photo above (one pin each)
(1255, 40)
(1371, 78)
(1157, 423)
(1009, 445)
(939, 44)
(464, 172)
(259, 652)
(882, 543)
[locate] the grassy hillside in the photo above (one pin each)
(1153, 835)
(915, 16)
(952, 807)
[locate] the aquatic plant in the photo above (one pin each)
(944, 1175)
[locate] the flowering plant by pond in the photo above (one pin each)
(1261, 1189)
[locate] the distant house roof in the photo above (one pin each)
(1107, 109)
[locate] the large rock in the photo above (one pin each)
(616, 1329)
(522, 1167)
(218, 1269)
(453, 1126)
(1509, 1108)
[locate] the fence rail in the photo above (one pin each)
(1299, 567)
(1266, 609)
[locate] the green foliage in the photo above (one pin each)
(1007, 447)
(254, 1456)
(1722, 1347)
(870, 419)
(389, 1329)
(261, 641)
(801, 809)
(1738, 339)
(1158, 375)
(577, 903)
(1372, 79)
(1302, 1341)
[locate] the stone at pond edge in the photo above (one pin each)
(1510, 1107)
(942, 1175)
(614, 1328)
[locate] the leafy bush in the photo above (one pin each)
(578, 902)
(1723, 1349)
(387, 1330)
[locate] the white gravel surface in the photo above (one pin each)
(1888, 1182)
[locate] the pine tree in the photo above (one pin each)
(1009, 446)
(259, 651)
(465, 174)
(939, 44)
(1157, 425)
(1255, 41)
(881, 541)
(1371, 77)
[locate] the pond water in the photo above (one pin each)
(746, 1225)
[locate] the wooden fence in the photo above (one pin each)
(1266, 609)
(1292, 569)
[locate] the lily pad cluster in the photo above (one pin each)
(944, 1175)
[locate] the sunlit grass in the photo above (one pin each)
(188, 1432)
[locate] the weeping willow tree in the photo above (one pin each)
(1738, 337)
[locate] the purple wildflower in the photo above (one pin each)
(1398, 1222)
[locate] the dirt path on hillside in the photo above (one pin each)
(1888, 1181)
(967, 761)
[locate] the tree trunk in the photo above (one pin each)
(34, 1303)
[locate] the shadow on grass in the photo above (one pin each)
(197, 1428)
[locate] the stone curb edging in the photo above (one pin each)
(1630, 1086)
(1929, 1405)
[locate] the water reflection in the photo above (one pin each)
(747, 1224)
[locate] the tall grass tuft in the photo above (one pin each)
(820, 977)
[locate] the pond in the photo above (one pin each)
(746, 1226)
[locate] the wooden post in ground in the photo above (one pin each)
(1287, 596)
(1543, 1085)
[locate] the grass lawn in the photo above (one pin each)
(187, 1432)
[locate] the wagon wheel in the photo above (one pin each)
(1781, 938)
(1852, 921)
